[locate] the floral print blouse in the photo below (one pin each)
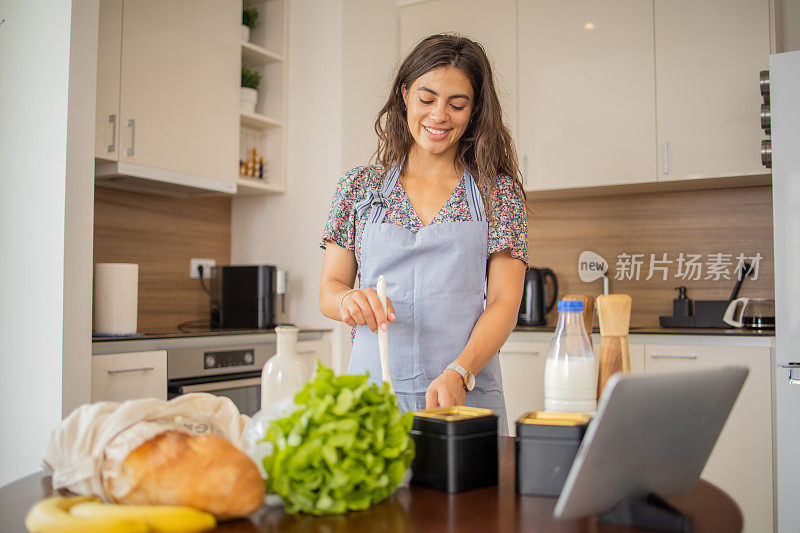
(508, 227)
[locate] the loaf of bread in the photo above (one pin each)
(202, 471)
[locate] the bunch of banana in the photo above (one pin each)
(86, 514)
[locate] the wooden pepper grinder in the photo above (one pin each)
(614, 315)
(588, 311)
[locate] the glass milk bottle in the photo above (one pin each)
(570, 375)
(285, 373)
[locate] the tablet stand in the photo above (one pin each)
(648, 512)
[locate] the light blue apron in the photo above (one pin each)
(436, 280)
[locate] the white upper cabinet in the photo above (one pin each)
(586, 93)
(109, 55)
(170, 73)
(490, 23)
(708, 56)
(179, 85)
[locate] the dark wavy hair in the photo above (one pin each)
(486, 149)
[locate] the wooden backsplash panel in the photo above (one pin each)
(694, 222)
(161, 235)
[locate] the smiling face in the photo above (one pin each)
(438, 107)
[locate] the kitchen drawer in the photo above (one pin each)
(129, 376)
(522, 367)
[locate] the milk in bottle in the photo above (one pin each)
(570, 375)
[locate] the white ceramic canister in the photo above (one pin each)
(285, 373)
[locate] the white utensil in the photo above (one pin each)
(383, 335)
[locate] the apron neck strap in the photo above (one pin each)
(378, 210)
(476, 209)
(391, 179)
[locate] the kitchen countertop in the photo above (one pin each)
(196, 332)
(205, 339)
(657, 330)
(639, 330)
(420, 509)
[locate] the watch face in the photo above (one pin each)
(469, 381)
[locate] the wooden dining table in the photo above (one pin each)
(420, 509)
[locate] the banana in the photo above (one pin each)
(53, 516)
(159, 518)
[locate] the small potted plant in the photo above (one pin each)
(249, 22)
(251, 78)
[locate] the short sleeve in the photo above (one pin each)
(508, 225)
(340, 227)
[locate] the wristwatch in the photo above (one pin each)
(466, 375)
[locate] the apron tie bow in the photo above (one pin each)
(374, 197)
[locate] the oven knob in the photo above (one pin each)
(211, 361)
(248, 358)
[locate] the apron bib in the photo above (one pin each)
(436, 280)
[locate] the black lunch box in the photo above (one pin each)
(546, 445)
(456, 448)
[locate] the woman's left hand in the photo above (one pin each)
(446, 391)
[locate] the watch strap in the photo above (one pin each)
(463, 372)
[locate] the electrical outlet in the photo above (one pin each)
(205, 263)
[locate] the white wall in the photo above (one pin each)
(787, 30)
(341, 56)
(369, 61)
(34, 70)
(48, 66)
(79, 200)
(284, 230)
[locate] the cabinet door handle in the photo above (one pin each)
(112, 119)
(220, 385)
(132, 126)
(305, 352)
(519, 353)
(666, 158)
(126, 370)
(664, 356)
(794, 372)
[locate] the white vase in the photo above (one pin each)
(248, 99)
(245, 33)
(285, 373)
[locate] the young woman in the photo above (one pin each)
(442, 216)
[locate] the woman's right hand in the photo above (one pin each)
(363, 307)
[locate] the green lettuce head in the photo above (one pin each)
(345, 448)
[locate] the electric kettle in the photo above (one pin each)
(537, 298)
(752, 313)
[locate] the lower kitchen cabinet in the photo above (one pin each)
(636, 353)
(741, 463)
(522, 361)
(522, 367)
(311, 350)
(129, 376)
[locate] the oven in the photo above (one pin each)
(233, 371)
